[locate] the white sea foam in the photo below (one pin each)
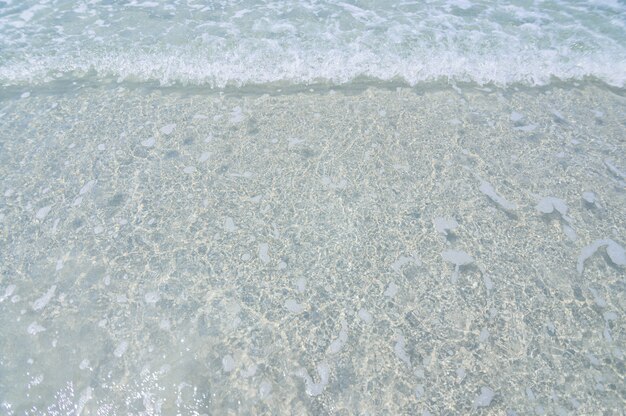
(487, 189)
(484, 398)
(234, 44)
(341, 340)
(120, 349)
(616, 253)
(41, 302)
(400, 351)
(312, 388)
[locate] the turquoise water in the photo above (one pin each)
(250, 43)
(324, 208)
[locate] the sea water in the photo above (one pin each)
(312, 207)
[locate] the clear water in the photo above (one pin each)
(256, 42)
(312, 208)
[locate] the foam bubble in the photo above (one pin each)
(616, 253)
(549, 204)
(45, 299)
(87, 187)
(249, 372)
(34, 328)
(402, 261)
(312, 388)
(265, 388)
(229, 225)
(445, 225)
(120, 349)
(457, 257)
(228, 363)
(498, 45)
(152, 297)
(485, 397)
(399, 350)
(391, 290)
(487, 189)
(293, 306)
(264, 253)
(365, 315)
(338, 343)
(168, 129)
(8, 292)
(43, 212)
(590, 198)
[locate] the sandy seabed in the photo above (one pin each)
(376, 251)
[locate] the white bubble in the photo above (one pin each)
(590, 197)
(43, 301)
(265, 389)
(120, 349)
(338, 343)
(34, 328)
(87, 187)
(229, 225)
(293, 306)
(402, 261)
(204, 157)
(43, 212)
(249, 372)
(487, 189)
(526, 129)
(168, 129)
(548, 204)
(616, 253)
(457, 257)
(263, 253)
(516, 117)
(399, 350)
(485, 397)
(228, 363)
(391, 290)
(312, 388)
(301, 284)
(445, 225)
(152, 297)
(236, 116)
(484, 335)
(365, 316)
(8, 292)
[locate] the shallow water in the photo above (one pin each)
(233, 43)
(399, 251)
(312, 207)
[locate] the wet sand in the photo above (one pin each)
(444, 251)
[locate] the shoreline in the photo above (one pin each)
(358, 86)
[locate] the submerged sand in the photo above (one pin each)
(383, 251)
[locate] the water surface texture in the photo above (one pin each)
(312, 208)
(256, 42)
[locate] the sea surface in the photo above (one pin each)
(312, 207)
